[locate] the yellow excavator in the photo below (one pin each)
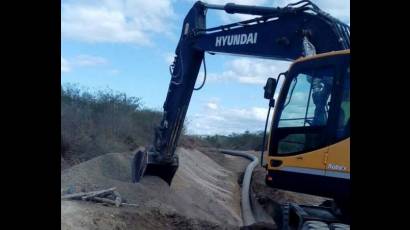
(308, 144)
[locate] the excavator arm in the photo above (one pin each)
(276, 33)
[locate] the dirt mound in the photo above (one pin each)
(202, 192)
(208, 186)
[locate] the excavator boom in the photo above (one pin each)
(276, 33)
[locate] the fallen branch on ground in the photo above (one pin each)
(100, 193)
(99, 196)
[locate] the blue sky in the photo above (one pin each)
(127, 46)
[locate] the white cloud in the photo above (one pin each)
(65, 66)
(89, 60)
(337, 8)
(128, 21)
(250, 71)
(84, 60)
(215, 119)
(212, 105)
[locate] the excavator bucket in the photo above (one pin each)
(145, 163)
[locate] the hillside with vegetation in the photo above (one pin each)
(237, 141)
(100, 122)
(95, 123)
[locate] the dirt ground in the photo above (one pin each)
(90, 216)
(205, 194)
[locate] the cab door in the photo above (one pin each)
(338, 157)
(337, 162)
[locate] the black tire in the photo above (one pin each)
(315, 225)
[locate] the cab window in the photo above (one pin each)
(305, 111)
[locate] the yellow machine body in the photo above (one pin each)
(323, 170)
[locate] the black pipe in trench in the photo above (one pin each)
(247, 213)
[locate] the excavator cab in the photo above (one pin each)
(308, 147)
